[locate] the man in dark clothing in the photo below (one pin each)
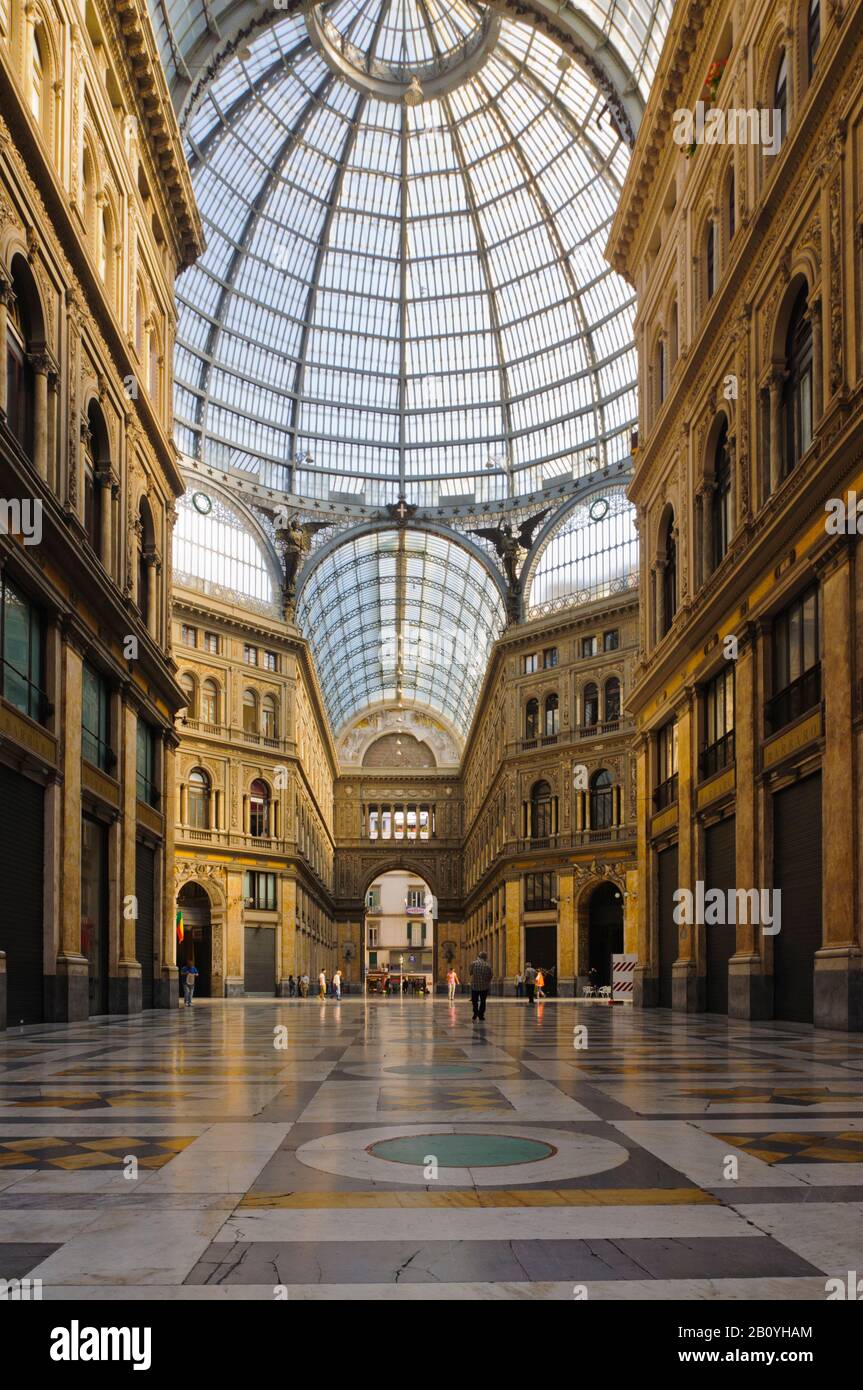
(480, 980)
(530, 982)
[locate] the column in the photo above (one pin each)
(234, 944)
(659, 597)
(107, 482)
(41, 364)
(212, 808)
(7, 299)
(646, 983)
(72, 981)
(512, 918)
(154, 566)
(817, 361)
(165, 983)
(126, 989)
(567, 929)
(706, 531)
(287, 935)
(579, 812)
(750, 990)
(839, 962)
(686, 985)
(182, 804)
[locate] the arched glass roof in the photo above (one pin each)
(405, 300)
(401, 616)
(591, 553)
(216, 550)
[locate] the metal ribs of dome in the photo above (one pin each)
(404, 302)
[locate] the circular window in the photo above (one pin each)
(202, 503)
(599, 509)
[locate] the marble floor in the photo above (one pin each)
(260, 1149)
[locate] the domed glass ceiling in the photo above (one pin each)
(406, 300)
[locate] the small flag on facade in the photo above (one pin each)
(180, 932)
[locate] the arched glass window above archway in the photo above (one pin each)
(217, 550)
(591, 553)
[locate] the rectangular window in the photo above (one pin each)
(718, 723)
(373, 933)
(373, 900)
(146, 765)
(94, 720)
(539, 892)
(373, 822)
(549, 658)
(416, 899)
(373, 959)
(21, 653)
(250, 655)
(796, 662)
(189, 635)
(211, 643)
(529, 664)
(611, 640)
(271, 661)
(666, 766)
(589, 646)
(260, 891)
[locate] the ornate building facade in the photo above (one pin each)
(96, 218)
(747, 255)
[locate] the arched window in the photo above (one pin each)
(601, 790)
(210, 702)
(720, 501)
(552, 716)
(780, 99)
(531, 719)
(590, 712)
(797, 388)
(540, 811)
(199, 799)
(38, 77)
(612, 700)
(96, 461)
(813, 36)
(250, 712)
(269, 727)
(710, 260)
(259, 808)
(187, 685)
(668, 583)
(20, 397)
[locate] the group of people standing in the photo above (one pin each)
(531, 983)
(299, 987)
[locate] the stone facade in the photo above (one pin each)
(96, 219)
(749, 277)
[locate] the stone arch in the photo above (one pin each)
(398, 864)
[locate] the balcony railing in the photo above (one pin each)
(665, 794)
(716, 756)
(796, 699)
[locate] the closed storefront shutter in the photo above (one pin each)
(145, 939)
(668, 929)
(720, 940)
(21, 874)
(797, 873)
(260, 968)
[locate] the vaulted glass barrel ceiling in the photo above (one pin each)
(399, 299)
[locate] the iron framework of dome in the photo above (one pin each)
(404, 301)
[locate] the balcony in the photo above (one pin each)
(665, 794)
(717, 756)
(798, 698)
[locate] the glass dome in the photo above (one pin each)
(397, 299)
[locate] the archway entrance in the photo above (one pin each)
(399, 935)
(196, 948)
(605, 931)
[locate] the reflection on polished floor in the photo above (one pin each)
(393, 1149)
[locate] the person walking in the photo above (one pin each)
(451, 981)
(337, 986)
(530, 982)
(519, 985)
(480, 980)
(190, 975)
(540, 984)
(304, 985)
(322, 986)
(292, 986)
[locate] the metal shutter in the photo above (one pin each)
(145, 937)
(21, 873)
(797, 872)
(260, 963)
(668, 929)
(720, 940)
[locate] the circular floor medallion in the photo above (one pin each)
(462, 1150)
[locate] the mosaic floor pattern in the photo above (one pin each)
(394, 1149)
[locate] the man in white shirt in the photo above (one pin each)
(322, 985)
(337, 986)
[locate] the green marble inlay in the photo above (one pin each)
(462, 1150)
